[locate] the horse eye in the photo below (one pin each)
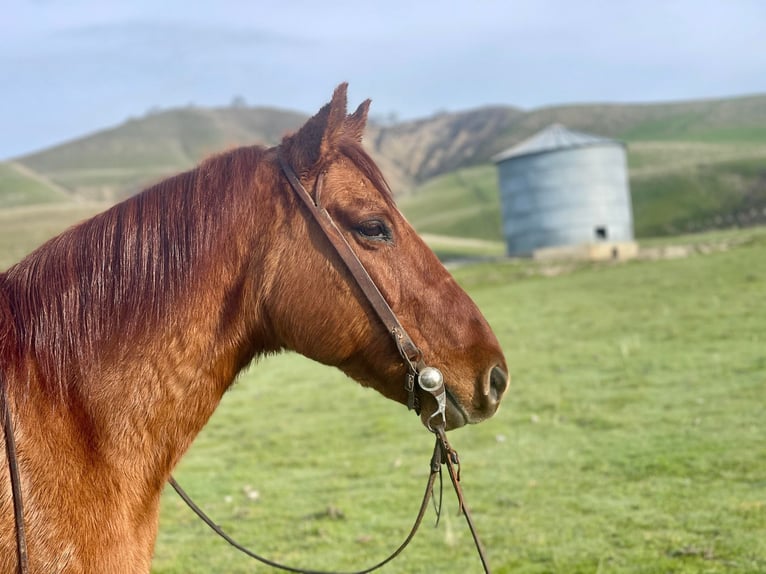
(374, 229)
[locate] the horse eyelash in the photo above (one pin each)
(385, 234)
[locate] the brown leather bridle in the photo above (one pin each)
(428, 379)
(412, 356)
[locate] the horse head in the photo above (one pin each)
(316, 307)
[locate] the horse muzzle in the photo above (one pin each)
(490, 390)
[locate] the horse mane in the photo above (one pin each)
(122, 271)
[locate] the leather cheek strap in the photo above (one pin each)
(410, 353)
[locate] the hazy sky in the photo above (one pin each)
(70, 67)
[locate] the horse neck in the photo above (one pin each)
(148, 345)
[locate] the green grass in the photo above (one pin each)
(449, 249)
(631, 440)
(692, 128)
(751, 134)
(463, 203)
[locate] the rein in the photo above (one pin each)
(13, 471)
(443, 454)
(428, 379)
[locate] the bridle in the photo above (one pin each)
(419, 378)
(412, 356)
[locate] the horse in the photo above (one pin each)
(119, 337)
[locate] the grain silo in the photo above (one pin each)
(566, 193)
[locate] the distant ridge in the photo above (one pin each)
(687, 152)
(121, 160)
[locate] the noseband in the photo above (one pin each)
(428, 379)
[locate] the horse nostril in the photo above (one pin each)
(498, 383)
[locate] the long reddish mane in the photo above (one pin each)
(125, 269)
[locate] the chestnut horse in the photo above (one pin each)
(119, 337)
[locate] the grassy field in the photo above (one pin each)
(632, 439)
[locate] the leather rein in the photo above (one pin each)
(419, 376)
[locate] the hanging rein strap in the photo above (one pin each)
(435, 470)
(443, 454)
(13, 471)
(450, 458)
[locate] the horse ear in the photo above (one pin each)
(317, 138)
(356, 122)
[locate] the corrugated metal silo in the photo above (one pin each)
(566, 188)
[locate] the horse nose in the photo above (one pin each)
(497, 384)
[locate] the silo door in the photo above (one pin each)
(601, 233)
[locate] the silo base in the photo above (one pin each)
(589, 252)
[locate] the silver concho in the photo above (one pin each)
(430, 379)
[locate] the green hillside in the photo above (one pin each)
(738, 119)
(20, 186)
(463, 203)
(683, 186)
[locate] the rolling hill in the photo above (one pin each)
(20, 185)
(693, 165)
(113, 163)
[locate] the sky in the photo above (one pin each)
(72, 67)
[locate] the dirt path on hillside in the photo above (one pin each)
(27, 172)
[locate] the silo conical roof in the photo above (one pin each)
(554, 137)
